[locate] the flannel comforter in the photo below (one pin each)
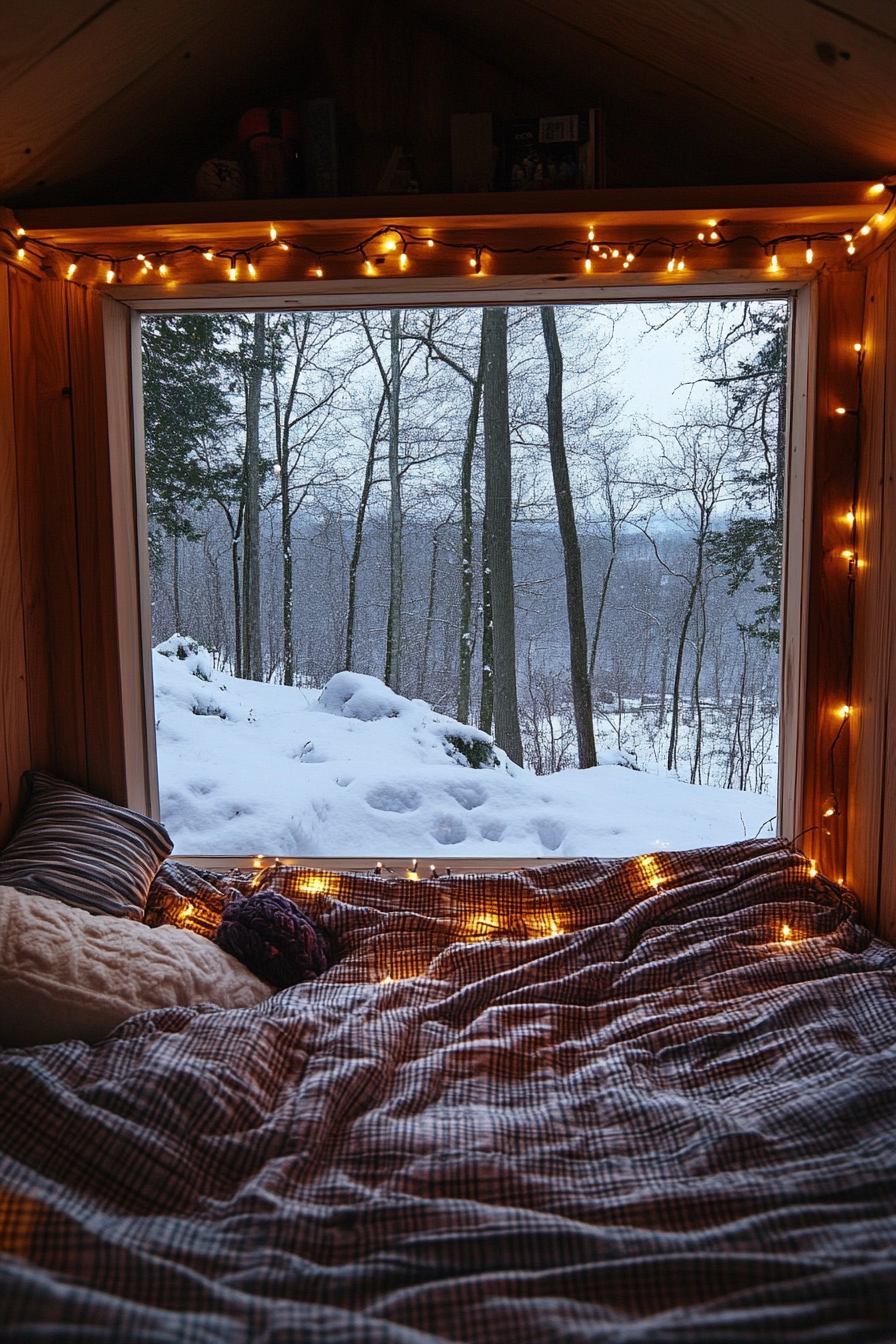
(642, 1100)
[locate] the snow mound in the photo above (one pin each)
(356, 696)
(353, 769)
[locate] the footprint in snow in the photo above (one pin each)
(394, 798)
(449, 831)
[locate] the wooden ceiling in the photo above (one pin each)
(119, 101)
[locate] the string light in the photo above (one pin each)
(394, 237)
(850, 517)
(163, 269)
(587, 263)
(876, 189)
(403, 259)
(73, 266)
(252, 271)
(844, 711)
(773, 264)
(840, 410)
(232, 272)
(319, 272)
(110, 276)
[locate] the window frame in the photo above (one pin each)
(122, 332)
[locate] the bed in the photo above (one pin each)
(640, 1100)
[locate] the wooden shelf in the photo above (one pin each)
(805, 202)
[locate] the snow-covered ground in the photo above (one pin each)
(248, 767)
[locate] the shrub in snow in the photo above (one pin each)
(475, 748)
(189, 651)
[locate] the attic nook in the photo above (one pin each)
(746, 154)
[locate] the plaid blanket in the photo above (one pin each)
(643, 1100)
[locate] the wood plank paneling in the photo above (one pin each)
(15, 737)
(874, 623)
(829, 638)
(95, 525)
(883, 649)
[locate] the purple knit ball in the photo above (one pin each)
(269, 934)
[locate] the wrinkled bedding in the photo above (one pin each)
(643, 1100)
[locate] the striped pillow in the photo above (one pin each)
(82, 850)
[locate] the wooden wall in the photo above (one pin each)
(61, 690)
(871, 865)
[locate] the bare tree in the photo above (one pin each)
(253, 375)
(572, 556)
(497, 528)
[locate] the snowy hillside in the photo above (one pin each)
(254, 768)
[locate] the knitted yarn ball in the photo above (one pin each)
(268, 933)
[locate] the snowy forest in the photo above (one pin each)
(474, 507)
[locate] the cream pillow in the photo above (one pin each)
(67, 974)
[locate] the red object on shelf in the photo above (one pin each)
(270, 137)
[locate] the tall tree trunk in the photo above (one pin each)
(175, 581)
(359, 535)
(252, 481)
(497, 525)
(466, 546)
(572, 555)
(672, 757)
(602, 604)
(237, 606)
(487, 690)
(696, 771)
(433, 575)
(392, 674)
(289, 669)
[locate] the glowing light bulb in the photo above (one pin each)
(615, 252)
(430, 243)
(284, 247)
(20, 233)
(232, 271)
(680, 266)
(713, 223)
(472, 261)
(845, 711)
(828, 812)
(809, 255)
(140, 256)
(714, 236)
(368, 266)
(671, 265)
(209, 255)
(848, 555)
(857, 346)
(847, 237)
(865, 229)
(20, 253)
(110, 276)
(876, 189)
(391, 244)
(813, 871)
(701, 236)
(879, 219)
(587, 263)
(252, 271)
(629, 256)
(273, 233)
(73, 266)
(318, 271)
(591, 235)
(773, 264)
(840, 410)
(851, 249)
(850, 517)
(403, 260)
(147, 264)
(625, 265)
(785, 933)
(163, 269)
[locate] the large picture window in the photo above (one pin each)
(467, 582)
